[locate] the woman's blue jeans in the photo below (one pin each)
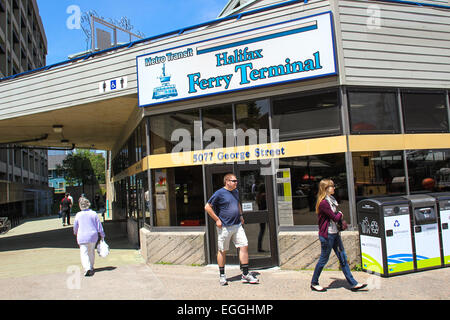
(334, 242)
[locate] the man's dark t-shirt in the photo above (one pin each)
(226, 206)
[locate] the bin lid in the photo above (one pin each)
(421, 200)
(440, 195)
(384, 201)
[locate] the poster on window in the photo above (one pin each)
(160, 181)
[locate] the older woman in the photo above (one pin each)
(87, 228)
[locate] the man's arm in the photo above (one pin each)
(241, 214)
(213, 215)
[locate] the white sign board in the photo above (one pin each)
(284, 52)
(247, 206)
(113, 85)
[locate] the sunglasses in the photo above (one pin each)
(234, 181)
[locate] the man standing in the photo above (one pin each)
(65, 207)
(224, 208)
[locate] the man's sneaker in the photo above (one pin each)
(249, 278)
(223, 280)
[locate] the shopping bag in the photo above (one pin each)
(103, 249)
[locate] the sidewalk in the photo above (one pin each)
(40, 260)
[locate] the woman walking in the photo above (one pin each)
(87, 227)
(328, 217)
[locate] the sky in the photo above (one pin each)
(151, 17)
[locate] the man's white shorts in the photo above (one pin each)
(235, 233)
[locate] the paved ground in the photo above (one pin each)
(40, 260)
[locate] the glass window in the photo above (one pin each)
(378, 173)
(146, 191)
(253, 120)
(178, 197)
(218, 127)
(297, 186)
(425, 112)
(373, 112)
(144, 138)
(131, 149)
(119, 204)
(252, 189)
(307, 116)
(179, 126)
(138, 143)
(132, 197)
(428, 170)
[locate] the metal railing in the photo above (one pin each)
(5, 225)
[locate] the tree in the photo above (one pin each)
(83, 167)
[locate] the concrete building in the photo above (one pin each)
(282, 93)
(23, 172)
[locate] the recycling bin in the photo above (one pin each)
(443, 203)
(427, 253)
(385, 236)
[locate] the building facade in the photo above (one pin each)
(283, 94)
(23, 172)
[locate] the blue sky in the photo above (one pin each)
(151, 17)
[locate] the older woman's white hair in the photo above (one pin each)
(84, 203)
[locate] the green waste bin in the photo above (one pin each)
(427, 252)
(385, 236)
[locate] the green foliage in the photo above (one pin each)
(83, 167)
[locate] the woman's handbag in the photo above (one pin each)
(342, 225)
(102, 249)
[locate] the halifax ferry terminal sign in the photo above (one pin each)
(289, 51)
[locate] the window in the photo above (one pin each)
(378, 173)
(178, 197)
(143, 139)
(297, 186)
(252, 118)
(306, 116)
(176, 125)
(373, 112)
(425, 112)
(120, 201)
(428, 170)
(218, 127)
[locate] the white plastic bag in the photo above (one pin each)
(103, 249)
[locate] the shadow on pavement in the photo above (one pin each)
(61, 238)
(105, 269)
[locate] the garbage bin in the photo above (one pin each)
(427, 253)
(443, 203)
(385, 236)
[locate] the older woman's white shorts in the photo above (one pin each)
(235, 233)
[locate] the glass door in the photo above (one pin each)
(256, 196)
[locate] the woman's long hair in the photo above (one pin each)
(322, 193)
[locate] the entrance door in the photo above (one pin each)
(256, 196)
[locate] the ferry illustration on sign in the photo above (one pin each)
(166, 90)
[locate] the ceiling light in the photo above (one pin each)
(57, 128)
